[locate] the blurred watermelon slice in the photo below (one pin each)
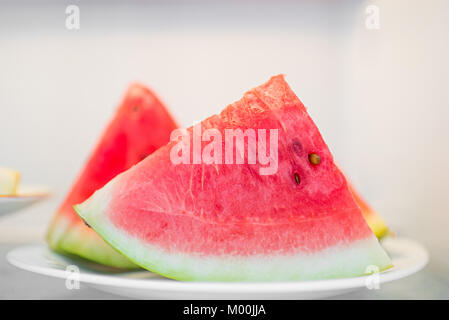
(374, 220)
(140, 126)
(227, 222)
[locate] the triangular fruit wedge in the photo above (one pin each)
(240, 222)
(140, 126)
(374, 220)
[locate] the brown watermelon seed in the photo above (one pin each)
(86, 224)
(314, 158)
(297, 179)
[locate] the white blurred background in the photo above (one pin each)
(379, 96)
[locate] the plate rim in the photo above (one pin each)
(422, 258)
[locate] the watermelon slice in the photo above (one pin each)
(374, 220)
(230, 222)
(140, 126)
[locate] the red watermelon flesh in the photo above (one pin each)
(227, 222)
(140, 126)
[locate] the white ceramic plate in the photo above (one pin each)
(26, 196)
(408, 257)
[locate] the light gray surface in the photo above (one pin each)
(19, 284)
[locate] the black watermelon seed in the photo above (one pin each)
(297, 179)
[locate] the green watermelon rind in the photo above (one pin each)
(350, 260)
(67, 242)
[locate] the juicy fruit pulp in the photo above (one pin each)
(226, 222)
(140, 126)
(9, 181)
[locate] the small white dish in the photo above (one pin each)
(26, 196)
(408, 258)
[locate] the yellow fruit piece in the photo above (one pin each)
(9, 181)
(377, 224)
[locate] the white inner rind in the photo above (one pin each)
(347, 260)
